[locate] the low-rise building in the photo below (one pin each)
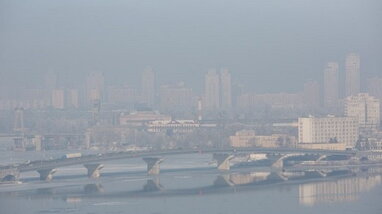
(140, 118)
(323, 146)
(174, 126)
(248, 138)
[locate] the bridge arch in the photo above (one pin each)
(9, 178)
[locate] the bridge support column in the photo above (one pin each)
(94, 170)
(153, 165)
(153, 185)
(46, 174)
(223, 161)
(223, 181)
(322, 157)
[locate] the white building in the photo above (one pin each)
(366, 109)
(328, 130)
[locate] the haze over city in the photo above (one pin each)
(190, 106)
(261, 42)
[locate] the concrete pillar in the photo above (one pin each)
(94, 169)
(153, 165)
(223, 181)
(93, 188)
(279, 164)
(223, 161)
(153, 185)
(46, 174)
(322, 157)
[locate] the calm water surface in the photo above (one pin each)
(198, 188)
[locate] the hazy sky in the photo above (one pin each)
(268, 45)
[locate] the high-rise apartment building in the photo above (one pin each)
(72, 98)
(148, 87)
(352, 75)
(226, 90)
(127, 96)
(176, 98)
(366, 109)
(212, 90)
(374, 87)
(328, 130)
(331, 85)
(58, 98)
(95, 85)
(311, 94)
(218, 90)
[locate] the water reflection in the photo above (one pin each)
(314, 187)
(346, 189)
(93, 188)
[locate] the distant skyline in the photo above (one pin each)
(269, 46)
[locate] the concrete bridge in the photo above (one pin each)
(93, 163)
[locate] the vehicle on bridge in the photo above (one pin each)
(72, 155)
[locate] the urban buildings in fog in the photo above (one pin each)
(366, 109)
(226, 89)
(331, 85)
(311, 94)
(58, 98)
(101, 104)
(176, 98)
(218, 90)
(374, 88)
(95, 86)
(212, 91)
(148, 88)
(352, 74)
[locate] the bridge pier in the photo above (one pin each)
(93, 188)
(153, 165)
(223, 181)
(153, 185)
(223, 161)
(46, 174)
(94, 170)
(322, 157)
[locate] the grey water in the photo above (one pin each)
(190, 184)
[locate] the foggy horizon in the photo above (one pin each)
(261, 43)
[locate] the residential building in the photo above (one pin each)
(331, 86)
(352, 74)
(329, 129)
(212, 91)
(148, 87)
(226, 89)
(58, 98)
(366, 109)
